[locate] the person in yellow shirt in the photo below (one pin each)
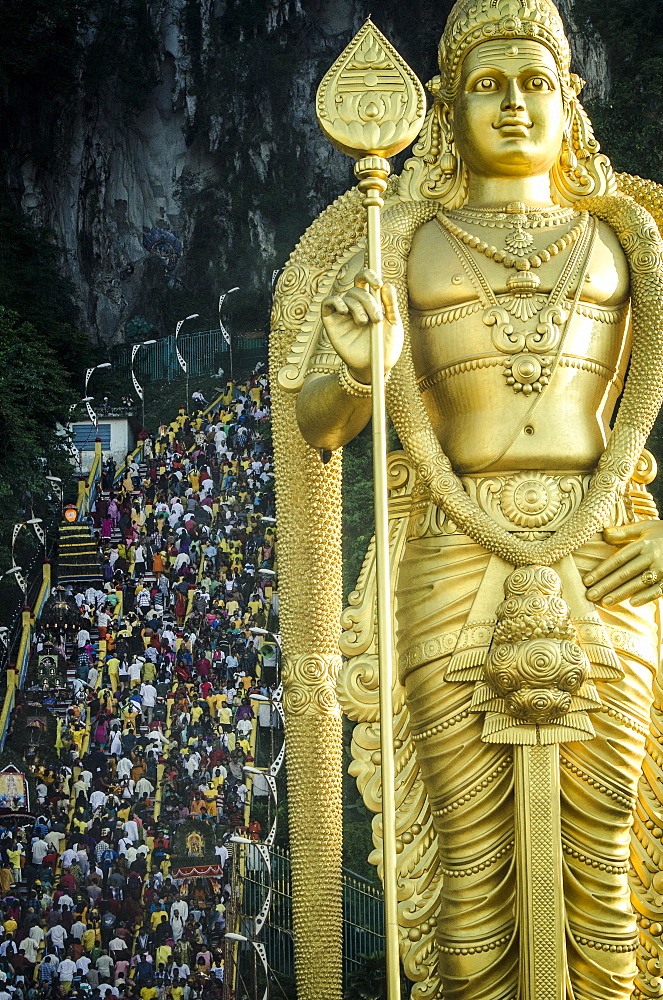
(164, 951)
(213, 704)
(149, 671)
(88, 938)
(196, 713)
(210, 801)
(113, 665)
(155, 919)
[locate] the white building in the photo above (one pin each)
(117, 439)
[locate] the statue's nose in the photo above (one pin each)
(513, 99)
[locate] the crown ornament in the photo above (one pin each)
(474, 21)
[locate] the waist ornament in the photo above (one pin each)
(530, 502)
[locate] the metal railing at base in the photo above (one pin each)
(205, 351)
(363, 913)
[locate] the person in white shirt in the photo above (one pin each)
(149, 695)
(192, 763)
(69, 856)
(135, 672)
(82, 638)
(116, 743)
(143, 786)
(30, 949)
(103, 620)
(131, 830)
(181, 560)
(123, 767)
(58, 936)
(66, 970)
(83, 964)
(53, 838)
(78, 929)
(37, 934)
(182, 906)
(39, 851)
(97, 799)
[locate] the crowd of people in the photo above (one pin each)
(167, 661)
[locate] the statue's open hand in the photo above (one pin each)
(347, 318)
(636, 571)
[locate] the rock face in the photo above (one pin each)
(194, 119)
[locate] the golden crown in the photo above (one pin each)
(473, 21)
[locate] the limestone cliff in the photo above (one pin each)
(184, 154)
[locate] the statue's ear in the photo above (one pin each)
(577, 83)
(434, 85)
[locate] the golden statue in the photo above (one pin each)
(523, 296)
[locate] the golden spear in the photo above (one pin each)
(371, 105)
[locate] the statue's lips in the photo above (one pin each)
(513, 128)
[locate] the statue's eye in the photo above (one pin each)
(538, 83)
(486, 85)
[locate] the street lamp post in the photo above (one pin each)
(182, 363)
(259, 950)
(34, 523)
(57, 483)
(88, 375)
(226, 334)
(17, 573)
(137, 386)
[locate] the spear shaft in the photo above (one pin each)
(372, 173)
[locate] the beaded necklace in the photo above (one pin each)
(517, 244)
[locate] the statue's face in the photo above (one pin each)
(509, 113)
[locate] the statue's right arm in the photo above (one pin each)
(328, 415)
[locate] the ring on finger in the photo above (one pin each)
(650, 577)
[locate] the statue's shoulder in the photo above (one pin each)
(325, 257)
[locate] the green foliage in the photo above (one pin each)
(40, 41)
(41, 360)
(138, 328)
(34, 397)
(31, 284)
(368, 982)
(357, 506)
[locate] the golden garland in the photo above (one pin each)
(642, 399)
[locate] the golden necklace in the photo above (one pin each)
(512, 257)
(531, 354)
(516, 217)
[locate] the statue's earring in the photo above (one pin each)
(449, 162)
(441, 151)
(569, 159)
